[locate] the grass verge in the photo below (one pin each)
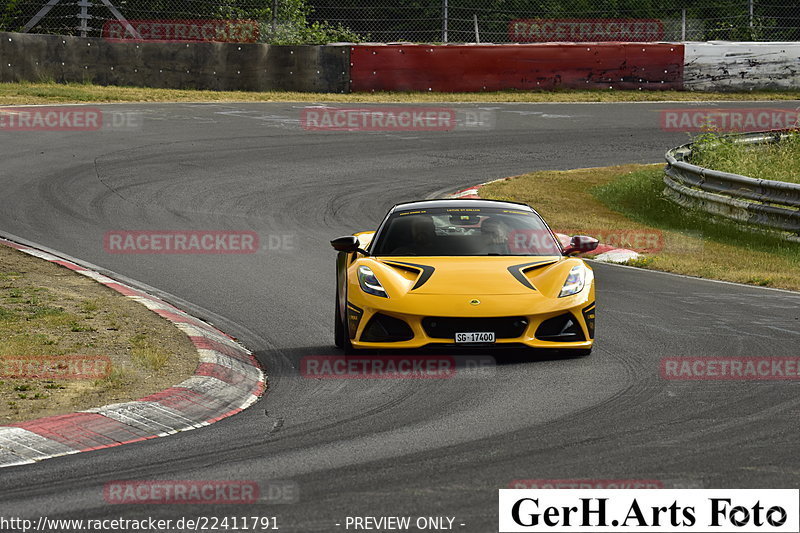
(628, 198)
(51, 317)
(779, 161)
(57, 93)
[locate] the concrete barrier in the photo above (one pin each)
(712, 66)
(729, 66)
(201, 65)
(466, 68)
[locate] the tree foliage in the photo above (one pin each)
(289, 24)
(320, 21)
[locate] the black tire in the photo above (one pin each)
(341, 334)
(348, 346)
(338, 327)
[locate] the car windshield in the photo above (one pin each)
(465, 232)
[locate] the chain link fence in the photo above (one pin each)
(429, 21)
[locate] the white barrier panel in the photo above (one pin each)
(647, 510)
(741, 66)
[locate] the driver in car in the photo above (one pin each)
(495, 236)
(422, 232)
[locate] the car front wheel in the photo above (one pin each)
(341, 335)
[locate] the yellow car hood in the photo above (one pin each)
(473, 276)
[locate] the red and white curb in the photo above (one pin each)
(226, 381)
(605, 253)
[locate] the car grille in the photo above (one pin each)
(446, 327)
(385, 328)
(562, 328)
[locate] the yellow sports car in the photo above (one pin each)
(461, 272)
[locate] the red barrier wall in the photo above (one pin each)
(470, 68)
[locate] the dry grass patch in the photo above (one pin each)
(49, 313)
(57, 93)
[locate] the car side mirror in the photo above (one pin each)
(348, 244)
(581, 244)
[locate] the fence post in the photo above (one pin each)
(84, 16)
(444, 21)
(683, 24)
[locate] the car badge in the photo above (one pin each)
(475, 301)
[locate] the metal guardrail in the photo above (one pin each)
(766, 204)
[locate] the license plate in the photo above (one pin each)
(479, 337)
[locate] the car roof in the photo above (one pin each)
(458, 202)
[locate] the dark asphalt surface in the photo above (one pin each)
(393, 447)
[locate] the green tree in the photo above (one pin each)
(289, 25)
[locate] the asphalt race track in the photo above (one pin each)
(393, 447)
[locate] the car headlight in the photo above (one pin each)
(575, 281)
(369, 283)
